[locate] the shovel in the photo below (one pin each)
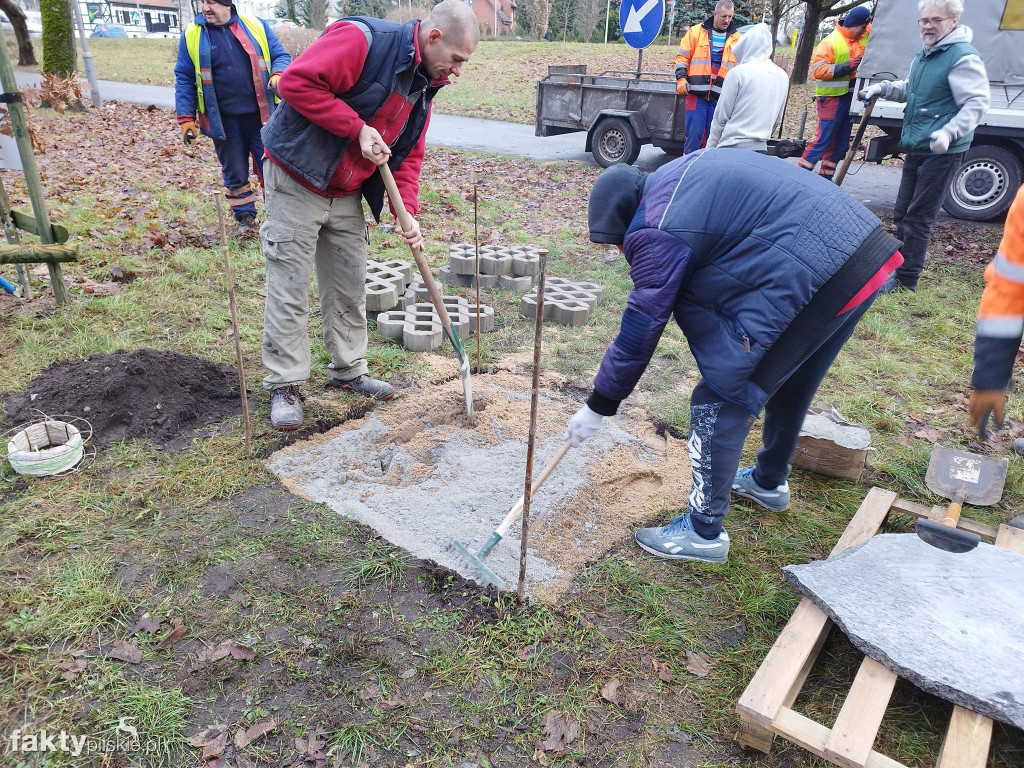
(961, 477)
(428, 280)
(856, 141)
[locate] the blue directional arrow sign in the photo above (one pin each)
(640, 21)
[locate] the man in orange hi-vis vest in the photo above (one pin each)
(703, 60)
(1000, 322)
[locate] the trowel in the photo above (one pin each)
(961, 477)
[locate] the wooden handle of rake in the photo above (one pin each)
(518, 507)
(406, 222)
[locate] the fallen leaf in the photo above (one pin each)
(240, 652)
(215, 653)
(311, 747)
(145, 624)
(610, 691)
(172, 637)
(697, 664)
(246, 737)
(73, 668)
(407, 674)
(558, 733)
(387, 704)
(125, 651)
(662, 670)
(213, 740)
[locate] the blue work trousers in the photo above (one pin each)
(699, 113)
(719, 427)
(243, 142)
(833, 138)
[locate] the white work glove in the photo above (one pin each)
(583, 425)
(939, 141)
(871, 92)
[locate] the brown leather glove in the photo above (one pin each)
(272, 83)
(681, 86)
(189, 132)
(984, 402)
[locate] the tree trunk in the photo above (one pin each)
(808, 36)
(541, 18)
(58, 38)
(16, 16)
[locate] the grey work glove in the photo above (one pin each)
(583, 425)
(939, 141)
(871, 92)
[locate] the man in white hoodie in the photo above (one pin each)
(753, 95)
(947, 95)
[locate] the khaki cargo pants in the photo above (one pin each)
(303, 229)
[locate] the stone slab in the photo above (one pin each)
(951, 624)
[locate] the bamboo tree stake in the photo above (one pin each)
(11, 232)
(19, 123)
(234, 325)
(476, 246)
(528, 491)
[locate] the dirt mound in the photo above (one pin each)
(146, 393)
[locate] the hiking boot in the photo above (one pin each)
(367, 387)
(775, 499)
(286, 408)
(892, 285)
(678, 541)
(248, 227)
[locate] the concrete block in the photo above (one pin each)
(419, 336)
(565, 302)
(407, 268)
(496, 262)
(448, 277)
(391, 324)
(486, 318)
(515, 283)
(462, 263)
(525, 260)
(385, 282)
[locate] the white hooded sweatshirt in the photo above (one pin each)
(753, 95)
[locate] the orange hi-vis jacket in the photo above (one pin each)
(1001, 311)
(832, 75)
(693, 59)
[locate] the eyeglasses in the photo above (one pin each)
(932, 22)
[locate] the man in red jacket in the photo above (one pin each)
(365, 82)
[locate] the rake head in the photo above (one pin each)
(481, 572)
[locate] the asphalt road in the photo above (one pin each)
(873, 185)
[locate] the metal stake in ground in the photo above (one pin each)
(528, 491)
(234, 326)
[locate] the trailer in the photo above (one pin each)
(620, 112)
(986, 183)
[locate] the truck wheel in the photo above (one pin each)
(985, 185)
(615, 142)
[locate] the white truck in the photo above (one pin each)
(985, 185)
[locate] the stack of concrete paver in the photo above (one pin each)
(418, 326)
(386, 283)
(511, 268)
(565, 302)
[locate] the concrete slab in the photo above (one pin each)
(419, 474)
(949, 623)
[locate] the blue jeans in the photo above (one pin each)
(243, 142)
(698, 122)
(922, 187)
(719, 427)
(833, 137)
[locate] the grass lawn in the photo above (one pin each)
(343, 647)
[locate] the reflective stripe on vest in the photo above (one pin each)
(204, 76)
(840, 55)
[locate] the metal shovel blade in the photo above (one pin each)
(979, 478)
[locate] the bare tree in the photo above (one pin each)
(779, 10)
(17, 18)
(588, 15)
(815, 11)
(539, 13)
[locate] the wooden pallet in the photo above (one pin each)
(765, 708)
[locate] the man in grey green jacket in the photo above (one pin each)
(947, 95)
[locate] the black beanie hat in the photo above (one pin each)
(614, 199)
(224, 2)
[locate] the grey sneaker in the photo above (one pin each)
(367, 387)
(775, 499)
(286, 408)
(678, 541)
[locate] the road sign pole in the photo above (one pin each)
(607, 19)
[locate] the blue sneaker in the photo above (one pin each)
(744, 485)
(678, 541)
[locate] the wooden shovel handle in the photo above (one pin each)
(405, 220)
(953, 510)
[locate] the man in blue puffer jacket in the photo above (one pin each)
(226, 74)
(766, 296)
